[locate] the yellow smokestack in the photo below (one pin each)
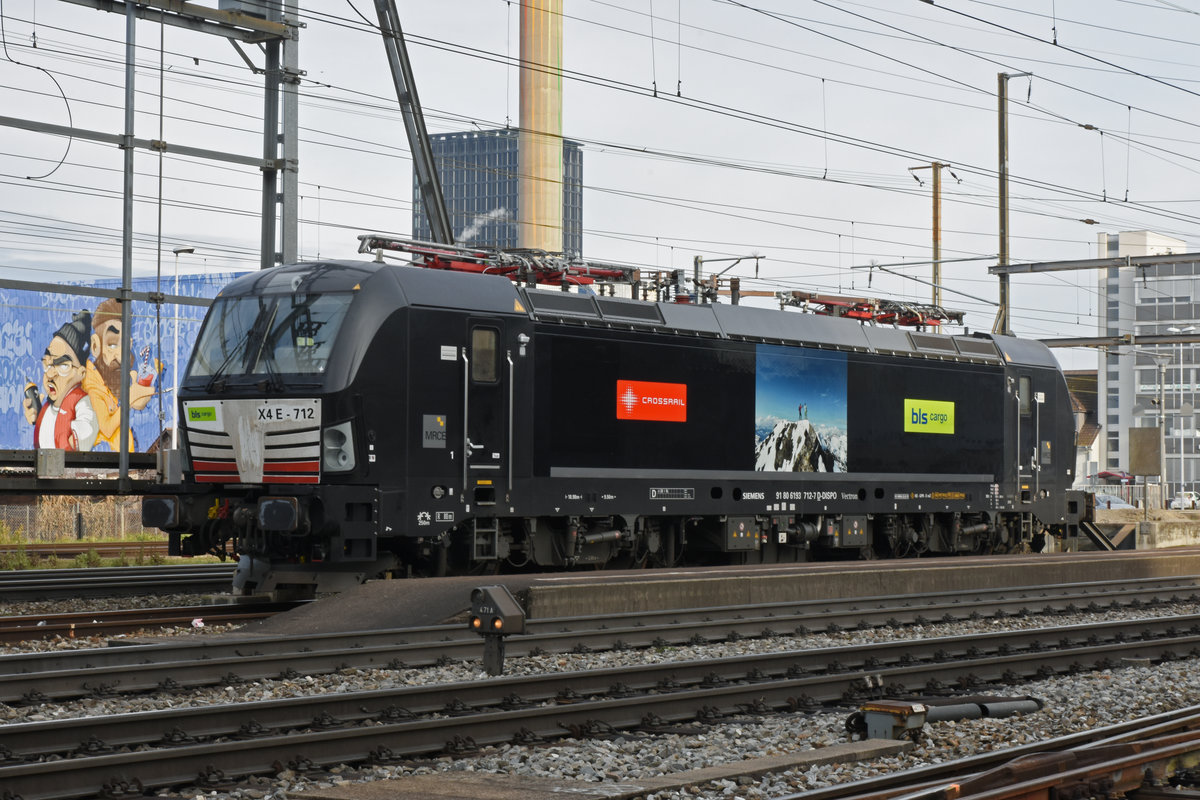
(540, 146)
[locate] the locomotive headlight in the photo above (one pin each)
(337, 448)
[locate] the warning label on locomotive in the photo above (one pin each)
(652, 401)
(928, 416)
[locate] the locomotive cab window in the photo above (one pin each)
(484, 355)
(269, 335)
(1025, 395)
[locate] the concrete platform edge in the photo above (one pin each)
(891, 578)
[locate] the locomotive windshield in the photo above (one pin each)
(269, 335)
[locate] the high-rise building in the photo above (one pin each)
(1155, 299)
(478, 170)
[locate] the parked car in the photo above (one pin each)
(1111, 501)
(1186, 500)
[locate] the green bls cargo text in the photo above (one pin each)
(928, 416)
(202, 414)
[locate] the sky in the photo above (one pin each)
(783, 380)
(786, 129)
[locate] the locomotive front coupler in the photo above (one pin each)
(277, 514)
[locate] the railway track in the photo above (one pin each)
(407, 721)
(116, 549)
(173, 746)
(1131, 758)
(59, 584)
(210, 660)
(93, 623)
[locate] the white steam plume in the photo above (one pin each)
(495, 215)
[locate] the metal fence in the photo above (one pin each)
(1134, 494)
(58, 519)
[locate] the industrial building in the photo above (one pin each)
(478, 170)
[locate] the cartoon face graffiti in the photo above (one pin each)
(106, 344)
(65, 419)
(61, 370)
(105, 375)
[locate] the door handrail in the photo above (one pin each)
(509, 443)
(466, 420)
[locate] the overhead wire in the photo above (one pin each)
(50, 75)
(628, 150)
(825, 139)
(435, 42)
(969, 52)
(1080, 53)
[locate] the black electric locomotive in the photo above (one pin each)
(340, 420)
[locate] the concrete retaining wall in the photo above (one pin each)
(1157, 534)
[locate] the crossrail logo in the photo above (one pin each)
(628, 400)
(652, 401)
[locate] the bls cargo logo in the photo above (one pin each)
(649, 400)
(202, 413)
(928, 416)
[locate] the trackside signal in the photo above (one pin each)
(495, 613)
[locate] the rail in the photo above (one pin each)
(129, 620)
(65, 674)
(412, 720)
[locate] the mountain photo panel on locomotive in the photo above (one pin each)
(800, 410)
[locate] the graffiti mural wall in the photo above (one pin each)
(60, 364)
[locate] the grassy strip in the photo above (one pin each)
(19, 558)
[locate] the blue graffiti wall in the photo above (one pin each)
(29, 320)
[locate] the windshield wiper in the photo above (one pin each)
(218, 376)
(264, 352)
(273, 381)
(259, 329)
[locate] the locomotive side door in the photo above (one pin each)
(487, 411)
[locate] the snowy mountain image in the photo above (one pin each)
(799, 410)
(801, 446)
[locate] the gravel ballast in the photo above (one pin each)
(1072, 704)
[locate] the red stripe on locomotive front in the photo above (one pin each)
(215, 466)
(292, 466)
